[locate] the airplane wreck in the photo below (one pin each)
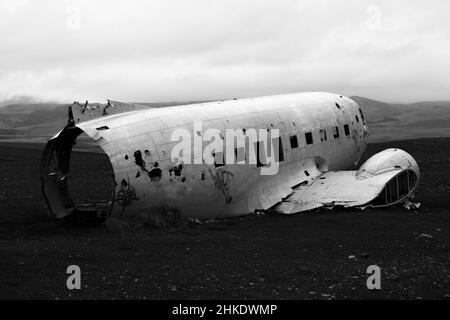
(319, 136)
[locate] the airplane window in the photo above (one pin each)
(335, 132)
(357, 119)
(308, 137)
(362, 115)
(346, 130)
(260, 154)
(261, 157)
(239, 154)
(323, 135)
(294, 141)
(218, 159)
(278, 144)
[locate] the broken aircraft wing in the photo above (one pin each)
(387, 178)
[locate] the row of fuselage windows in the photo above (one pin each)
(293, 139)
(322, 135)
(308, 138)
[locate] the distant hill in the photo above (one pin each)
(376, 111)
(29, 107)
(38, 122)
(21, 100)
(167, 104)
(394, 121)
(386, 121)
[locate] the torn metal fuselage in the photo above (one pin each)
(321, 134)
(55, 162)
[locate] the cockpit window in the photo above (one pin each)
(362, 115)
(346, 130)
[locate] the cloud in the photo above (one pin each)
(209, 49)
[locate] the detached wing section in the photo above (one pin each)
(389, 177)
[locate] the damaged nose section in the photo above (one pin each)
(56, 178)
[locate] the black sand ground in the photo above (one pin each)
(303, 256)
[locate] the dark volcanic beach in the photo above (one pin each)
(317, 255)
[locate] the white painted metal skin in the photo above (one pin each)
(128, 133)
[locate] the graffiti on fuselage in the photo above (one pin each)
(126, 194)
(222, 181)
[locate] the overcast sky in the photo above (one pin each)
(135, 50)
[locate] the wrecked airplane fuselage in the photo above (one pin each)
(284, 152)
